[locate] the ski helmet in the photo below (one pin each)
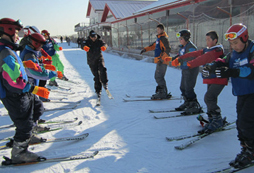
(237, 30)
(185, 33)
(9, 26)
(45, 32)
(36, 40)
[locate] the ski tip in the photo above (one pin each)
(155, 117)
(151, 111)
(80, 122)
(95, 153)
(76, 118)
(168, 139)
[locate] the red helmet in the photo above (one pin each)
(36, 40)
(8, 26)
(237, 31)
(45, 32)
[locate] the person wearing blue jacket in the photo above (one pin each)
(239, 65)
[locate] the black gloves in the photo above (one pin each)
(225, 72)
(142, 51)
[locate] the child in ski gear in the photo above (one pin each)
(189, 76)
(93, 46)
(239, 66)
(28, 30)
(32, 52)
(214, 85)
(51, 47)
(16, 93)
(161, 49)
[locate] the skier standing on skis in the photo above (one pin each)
(161, 49)
(239, 66)
(189, 76)
(51, 47)
(16, 93)
(93, 46)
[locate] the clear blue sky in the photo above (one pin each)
(57, 16)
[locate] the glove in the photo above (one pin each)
(30, 64)
(225, 72)
(142, 51)
(103, 48)
(49, 67)
(59, 74)
(205, 71)
(41, 91)
(60, 48)
(47, 57)
(168, 59)
(175, 62)
(86, 48)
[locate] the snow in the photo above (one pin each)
(127, 136)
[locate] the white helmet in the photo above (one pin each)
(34, 29)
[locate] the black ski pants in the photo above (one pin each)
(100, 74)
(245, 118)
(24, 109)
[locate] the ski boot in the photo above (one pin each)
(53, 83)
(20, 154)
(244, 158)
(161, 93)
(105, 86)
(37, 128)
(36, 139)
(217, 122)
(64, 78)
(183, 106)
(193, 108)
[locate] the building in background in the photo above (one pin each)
(131, 25)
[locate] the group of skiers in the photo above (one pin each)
(217, 68)
(22, 77)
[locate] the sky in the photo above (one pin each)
(57, 16)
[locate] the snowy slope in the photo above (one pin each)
(126, 134)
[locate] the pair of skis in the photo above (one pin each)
(227, 126)
(145, 98)
(72, 105)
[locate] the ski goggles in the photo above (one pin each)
(230, 36)
(44, 34)
(178, 35)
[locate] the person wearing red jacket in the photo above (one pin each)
(214, 85)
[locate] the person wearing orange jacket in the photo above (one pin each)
(161, 49)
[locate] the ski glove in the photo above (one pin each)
(103, 48)
(176, 62)
(86, 48)
(49, 67)
(142, 51)
(168, 59)
(41, 91)
(60, 48)
(225, 72)
(59, 74)
(30, 64)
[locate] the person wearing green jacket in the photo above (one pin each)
(51, 47)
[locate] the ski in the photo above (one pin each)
(58, 87)
(8, 161)
(140, 96)
(72, 138)
(63, 92)
(58, 101)
(73, 106)
(40, 121)
(44, 122)
(174, 116)
(189, 143)
(148, 99)
(109, 94)
(51, 128)
(166, 110)
(232, 169)
(178, 138)
(71, 81)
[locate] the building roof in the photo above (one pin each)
(117, 10)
